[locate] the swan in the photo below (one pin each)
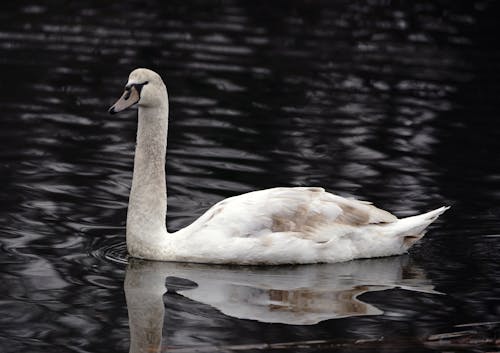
(283, 225)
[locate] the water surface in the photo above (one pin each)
(389, 102)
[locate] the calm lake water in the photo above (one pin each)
(397, 103)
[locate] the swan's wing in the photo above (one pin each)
(293, 210)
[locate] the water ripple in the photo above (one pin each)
(394, 104)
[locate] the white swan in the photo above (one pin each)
(275, 226)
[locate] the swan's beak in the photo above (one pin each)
(129, 98)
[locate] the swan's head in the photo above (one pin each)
(144, 88)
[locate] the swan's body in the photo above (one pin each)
(273, 226)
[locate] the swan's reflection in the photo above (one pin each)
(296, 295)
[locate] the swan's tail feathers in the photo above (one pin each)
(411, 229)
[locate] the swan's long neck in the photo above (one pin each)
(148, 196)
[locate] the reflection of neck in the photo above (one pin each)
(144, 295)
(148, 199)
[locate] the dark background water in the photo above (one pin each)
(388, 101)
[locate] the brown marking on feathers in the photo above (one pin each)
(301, 221)
(282, 224)
(300, 216)
(364, 214)
(353, 216)
(304, 222)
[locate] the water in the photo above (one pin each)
(391, 102)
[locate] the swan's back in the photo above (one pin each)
(298, 210)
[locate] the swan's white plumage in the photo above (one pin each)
(273, 226)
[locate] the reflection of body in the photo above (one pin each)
(274, 226)
(303, 295)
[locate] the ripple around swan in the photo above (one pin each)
(112, 251)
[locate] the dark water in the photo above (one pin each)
(388, 101)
